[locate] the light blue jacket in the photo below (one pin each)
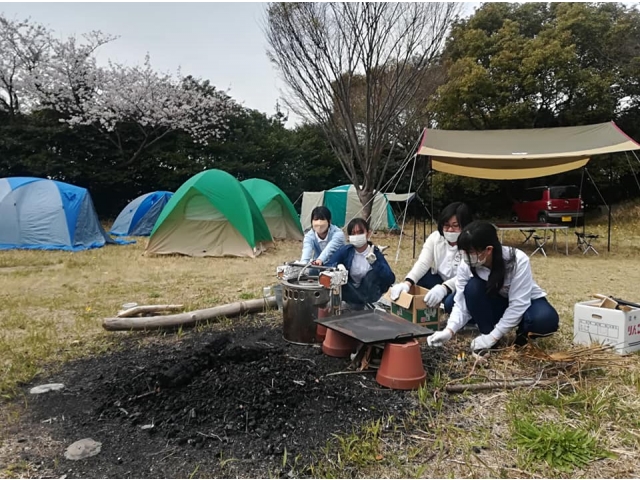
(311, 247)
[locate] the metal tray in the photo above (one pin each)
(374, 326)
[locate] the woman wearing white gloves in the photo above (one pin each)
(495, 287)
(323, 240)
(369, 272)
(438, 262)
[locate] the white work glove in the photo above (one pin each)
(483, 342)
(434, 297)
(440, 338)
(342, 268)
(371, 257)
(397, 289)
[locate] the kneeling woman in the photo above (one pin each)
(369, 273)
(438, 262)
(495, 287)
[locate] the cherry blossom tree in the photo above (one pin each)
(118, 96)
(40, 71)
(23, 45)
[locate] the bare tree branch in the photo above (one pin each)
(359, 70)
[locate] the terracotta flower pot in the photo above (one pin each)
(401, 366)
(321, 330)
(338, 345)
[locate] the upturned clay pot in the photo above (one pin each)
(401, 366)
(336, 344)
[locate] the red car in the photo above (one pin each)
(559, 204)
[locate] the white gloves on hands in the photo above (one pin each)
(370, 257)
(397, 289)
(434, 297)
(483, 342)
(440, 338)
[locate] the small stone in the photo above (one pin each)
(148, 426)
(87, 447)
(475, 449)
(49, 387)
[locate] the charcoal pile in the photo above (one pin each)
(230, 402)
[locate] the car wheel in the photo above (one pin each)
(514, 217)
(542, 217)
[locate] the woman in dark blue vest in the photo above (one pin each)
(370, 275)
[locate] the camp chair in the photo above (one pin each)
(585, 242)
(528, 234)
(540, 243)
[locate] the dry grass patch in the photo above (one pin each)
(53, 304)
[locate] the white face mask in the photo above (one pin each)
(358, 241)
(451, 237)
(320, 226)
(474, 260)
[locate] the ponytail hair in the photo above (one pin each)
(479, 235)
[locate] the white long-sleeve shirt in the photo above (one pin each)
(433, 254)
(519, 288)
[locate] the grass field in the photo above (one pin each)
(52, 304)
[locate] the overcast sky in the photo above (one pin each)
(221, 42)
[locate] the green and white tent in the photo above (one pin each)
(211, 215)
(344, 204)
(276, 208)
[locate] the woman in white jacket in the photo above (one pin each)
(438, 262)
(495, 287)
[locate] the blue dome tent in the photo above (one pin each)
(139, 216)
(36, 213)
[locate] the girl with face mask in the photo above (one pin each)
(323, 240)
(495, 287)
(439, 260)
(369, 273)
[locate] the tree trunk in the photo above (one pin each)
(366, 198)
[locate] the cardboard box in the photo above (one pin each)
(595, 323)
(410, 306)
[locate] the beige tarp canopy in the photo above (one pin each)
(523, 153)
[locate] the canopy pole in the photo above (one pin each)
(414, 237)
(424, 220)
(584, 217)
(610, 189)
(431, 192)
